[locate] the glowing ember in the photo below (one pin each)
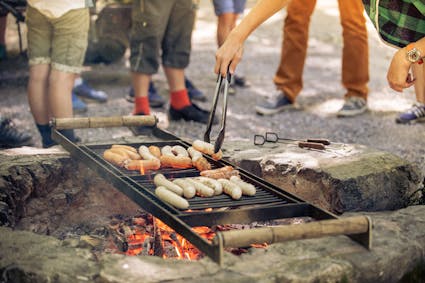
(146, 235)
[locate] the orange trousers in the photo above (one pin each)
(355, 53)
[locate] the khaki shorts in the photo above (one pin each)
(61, 42)
(161, 28)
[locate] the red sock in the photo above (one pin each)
(141, 105)
(179, 99)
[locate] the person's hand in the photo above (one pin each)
(398, 75)
(228, 56)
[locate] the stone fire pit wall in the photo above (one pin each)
(40, 193)
(342, 178)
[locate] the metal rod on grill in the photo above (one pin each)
(101, 122)
(269, 235)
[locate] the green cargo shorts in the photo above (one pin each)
(61, 42)
(161, 27)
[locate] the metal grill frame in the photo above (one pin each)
(182, 221)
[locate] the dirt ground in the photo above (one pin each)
(321, 97)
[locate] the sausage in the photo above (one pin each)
(179, 151)
(189, 190)
(231, 189)
(247, 188)
(169, 197)
(213, 184)
(155, 151)
(180, 162)
(120, 151)
(124, 146)
(207, 148)
(160, 180)
(198, 160)
(201, 189)
(194, 154)
(221, 173)
(145, 153)
(202, 164)
(167, 150)
(143, 165)
(126, 149)
(115, 158)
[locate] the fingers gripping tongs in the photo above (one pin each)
(220, 138)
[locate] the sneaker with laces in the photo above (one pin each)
(190, 113)
(10, 137)
(193, 91)
(413, 115)
(85, 91)
(353, 106)
(78, 106)
(275, 105)
(155, 100)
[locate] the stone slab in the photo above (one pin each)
(341, 178)
(398, 250)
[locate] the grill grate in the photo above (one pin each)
(145, 182)
(270, 202)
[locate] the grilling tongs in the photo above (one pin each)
(220, 138)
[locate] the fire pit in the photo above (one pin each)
(268, 203)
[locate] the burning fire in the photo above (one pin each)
(151, 236)
(146, 235)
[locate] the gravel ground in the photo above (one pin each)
(321, 97)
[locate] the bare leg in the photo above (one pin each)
(140, 83)
(37, 93)
(226, 22)
(175, 78)
(60, 89)
(419, 73)
(3, 23)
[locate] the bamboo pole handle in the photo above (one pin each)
(269, 235)
(103, 122)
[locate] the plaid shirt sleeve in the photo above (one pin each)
(398, 22)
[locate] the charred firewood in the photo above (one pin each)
(158, 248)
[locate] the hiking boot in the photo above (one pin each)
(190, 113)
(155, 100)
(10, 136)
(194, 93)
(413, 115)
(78, 106)
(83, 90)
(275, 105)
(353, 106)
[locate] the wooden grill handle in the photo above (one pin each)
(103, 122)
(269, 235)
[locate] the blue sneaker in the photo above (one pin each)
(413, 115)
(276, 105)
(78, 106)
(85, 91)
(194, 93)
(155, 100)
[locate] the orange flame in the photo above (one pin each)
(142, 169)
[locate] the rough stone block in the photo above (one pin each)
(343, 177)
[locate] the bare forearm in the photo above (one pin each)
(230, 53)
(263, 10)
